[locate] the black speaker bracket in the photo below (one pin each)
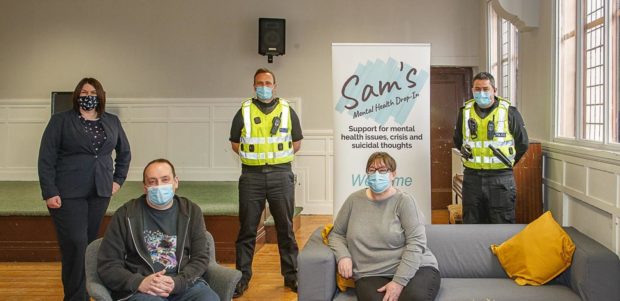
(270, 56)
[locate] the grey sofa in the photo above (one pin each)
(221, 279)
(470, 272)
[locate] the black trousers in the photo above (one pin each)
(277, 187)
(424, 286)
(77, 223)
(489, 198)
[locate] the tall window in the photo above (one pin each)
(503, 49)
(587, 78)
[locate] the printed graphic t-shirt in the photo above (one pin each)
(160, 237)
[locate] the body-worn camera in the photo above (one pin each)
(473, 128)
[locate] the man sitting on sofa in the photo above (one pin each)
(155, 247)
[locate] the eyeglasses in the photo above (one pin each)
(381, 171)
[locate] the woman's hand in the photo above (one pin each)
(54, 202)
(115, 187)
(345, 267)
(392, 291)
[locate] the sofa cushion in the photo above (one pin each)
(489, 289)
(538, 253)
(462, 251)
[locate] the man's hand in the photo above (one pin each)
(235, 147)
(392, 291)
(54, 202)
(345, 267)
(115, 187)
(296, 146)
(157, 284)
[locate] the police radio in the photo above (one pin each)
(275, 125)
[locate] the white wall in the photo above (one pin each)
(582, 190)
(191, 132)
(161, 61)
(536, 75)
(208, 48)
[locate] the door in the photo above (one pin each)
(450, 88)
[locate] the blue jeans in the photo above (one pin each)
(200, 291)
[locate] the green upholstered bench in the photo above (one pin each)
(214, 198)
(29, 234)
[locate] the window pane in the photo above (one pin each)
(594, 70)
(567, 64)
(505, 59)
(493, 49)
(615, 92)
(503, 55)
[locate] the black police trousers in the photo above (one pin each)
(489, 197)
(278, 188)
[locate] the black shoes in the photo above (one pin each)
(291, 283)
(241, 287)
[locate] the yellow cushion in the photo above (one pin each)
(537, 254)
(341, 282)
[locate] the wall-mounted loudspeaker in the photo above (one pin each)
(271, 37)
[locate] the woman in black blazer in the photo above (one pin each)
(78, 176)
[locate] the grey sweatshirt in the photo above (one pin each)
(382, 238)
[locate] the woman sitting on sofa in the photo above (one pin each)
(379, 239)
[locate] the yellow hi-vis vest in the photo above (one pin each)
(258, 146)
(483, 157)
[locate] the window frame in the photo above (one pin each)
(495, 60)
(610, 105)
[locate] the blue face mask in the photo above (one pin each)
(483, 99)
(160, 195)
(88, 103)
(264, 93)
(377, 182)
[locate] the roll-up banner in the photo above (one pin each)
(381, 103)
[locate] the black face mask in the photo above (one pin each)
(88, 103)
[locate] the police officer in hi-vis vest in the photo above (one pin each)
(492, 138)
(266, 134)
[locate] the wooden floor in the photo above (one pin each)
(41, 280)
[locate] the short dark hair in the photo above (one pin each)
(485, 76)
(389, 162)
(100, 94)
(160, 160)
(264, 70)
